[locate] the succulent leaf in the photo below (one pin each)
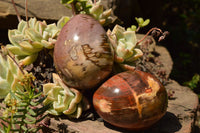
(97, 11)
(64, 100)
(10, 74)
(27, 59)
(61, 22)
(145, 23)
(30, 38)
(132, 28)
(141, 22)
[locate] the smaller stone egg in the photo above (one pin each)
(133, 100)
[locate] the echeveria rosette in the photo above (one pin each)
(94, 9)
(64, 100)
(10, 74)
(97, 11)
(30, 38)
(125, 45)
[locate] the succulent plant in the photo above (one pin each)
(64, 100)
(23, 111)
(125, 44)
(94, 9)
(97, 11)
(78, 6)
(30, 38)
(10, 74)
(141, 23)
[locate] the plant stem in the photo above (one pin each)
(137, 29)
(17, 13)
(73, 9)
(16, 63)
(155, 28)
(26, 12)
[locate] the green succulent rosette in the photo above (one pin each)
(94, 9)
(98, 12)
(30, 38)
(64, 100)
(125, 44)
(10, 74)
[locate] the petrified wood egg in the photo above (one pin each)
(83, 56)
(131, 100)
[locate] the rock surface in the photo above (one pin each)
(41, 9)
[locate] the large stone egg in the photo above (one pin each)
(83, 56)
(131, 100)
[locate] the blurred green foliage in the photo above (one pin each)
(182, 19)
(194, 82)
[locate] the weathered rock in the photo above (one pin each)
(41, 9)
(165, 58)
(182, 109)
(163, 54)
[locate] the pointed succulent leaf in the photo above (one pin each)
(130, 37)
(52, 30)
(4, 88)
(76, 100)
(61, 22)
(47, 44)
(33, 34)
(27, 59)
(26, 46)
(16, 50)
(78, 111)
(40, 27)
(13, 38)
(32, 23)
(22, 26)
(36, 45)
(9, 77)
(96, 10)
(118, 31)
(106, 13)
(137, 54)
